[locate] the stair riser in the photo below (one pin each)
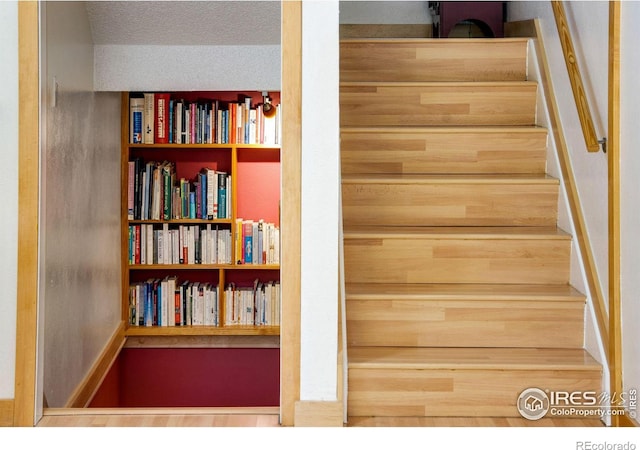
(433, 61)
(456, 151)
(457, 260)
(478, 323)
(451, 393)
(441, 104)
(450, 204)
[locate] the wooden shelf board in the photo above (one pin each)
(206, 146)
(202, 331)
(204, 266)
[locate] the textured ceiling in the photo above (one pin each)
(185, 22)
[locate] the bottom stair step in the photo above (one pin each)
(461, 382)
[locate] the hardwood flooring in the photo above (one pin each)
(440, 422)
(253, 419)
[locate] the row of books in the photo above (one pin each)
(257, 242)
(155, 193)
(179, 244)
(159, 118)
(167, 302)
(252, 306)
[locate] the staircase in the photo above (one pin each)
(457, 276)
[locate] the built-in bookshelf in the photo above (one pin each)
(200, 213)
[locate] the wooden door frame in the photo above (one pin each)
(28, 211)
(291, 168)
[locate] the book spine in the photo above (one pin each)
(167, 193)
(247, 121)
(149, 118)
(161, 107)
(131, 189)
(148, 305)
(192, 205)
(137, 244)
(255, 240)
(247, 235)
(203, 196)
(178, 308)
(179, 120)
(136, 120)
(222, 195)
(171, 120)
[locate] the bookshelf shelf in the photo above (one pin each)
(171, 241)
(204, 267)
(182, 221)
(264, 147)
(203, 331)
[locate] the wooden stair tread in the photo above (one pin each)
(438, 41)
(446, 129)
(524, 292)
(445, 84)
(363, 232)
(403, 178)
(471, 358)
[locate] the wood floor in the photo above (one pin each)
(199, 418)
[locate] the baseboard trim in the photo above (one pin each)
(318, 414)
(6, 412)
(254, 410)
(85, 391)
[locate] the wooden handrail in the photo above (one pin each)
(582, 104)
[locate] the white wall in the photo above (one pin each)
(589, 26)
(630, 197)
(588, 21)
(8, 193)
(320, 215)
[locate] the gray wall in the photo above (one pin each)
(80, 227)
(384, 12)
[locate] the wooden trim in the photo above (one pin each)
(613, 155)
(83, 394)
(318, 414)
(524, 29)
(359, 31)
(582, 103)
(291, 100)
(342, 363)
(28, 209)
(6, 412)
(625, 421)
(159, 411)
(124, 224)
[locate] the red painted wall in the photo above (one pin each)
(192, 377)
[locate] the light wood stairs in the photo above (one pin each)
(457, 276)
